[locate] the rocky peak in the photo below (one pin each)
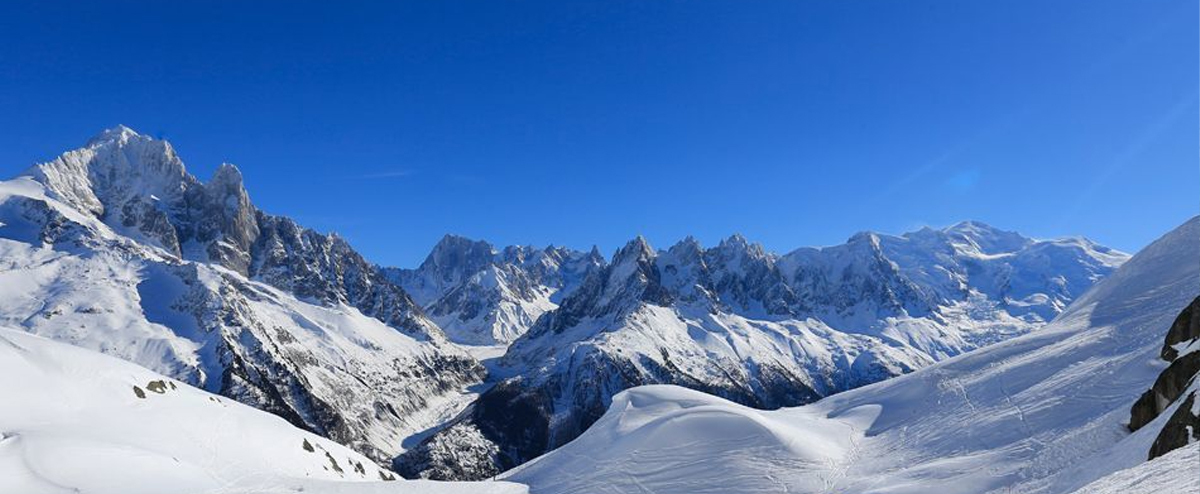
(115, 167)
(687, 251)
(227, 179)
(479, 295)
(747, 280)
(139, 186)
(684, 271)
(455, 257)
(868, 241)
(636, 250)
(737, 249)
(115, 134)
(629, 279)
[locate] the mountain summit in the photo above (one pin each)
(117, 248)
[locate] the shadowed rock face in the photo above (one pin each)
(1175, 385)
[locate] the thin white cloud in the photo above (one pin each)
(384, 174)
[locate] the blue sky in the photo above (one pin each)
(580, 123)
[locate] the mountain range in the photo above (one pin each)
(756, 328)
(1054, 411)
(116, 248)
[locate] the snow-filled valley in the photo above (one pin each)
(162, 331)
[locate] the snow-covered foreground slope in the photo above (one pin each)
(79, 421)
(1044, 413)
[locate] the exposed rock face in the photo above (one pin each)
(1185, 329)
(483, 296)
(759, 329)
(126, 253)
(1175, 387)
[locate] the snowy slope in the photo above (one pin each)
(759, 329)
(95, 424)
(1042, 413)
(1175, 472)
(120, 251)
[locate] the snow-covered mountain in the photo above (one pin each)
(80, 421)
(115, 247)
(759, 329)
(480, 295)
(1045, 412)
(1041, 413)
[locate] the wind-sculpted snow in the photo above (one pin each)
(1041, 413)
(305, 328)
(79, 421)
(711, 444)
(759, 329)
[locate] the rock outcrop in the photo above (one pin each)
(1176, 387)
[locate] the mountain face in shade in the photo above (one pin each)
(115, 247)
(759, 329)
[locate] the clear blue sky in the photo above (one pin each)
(578, 123)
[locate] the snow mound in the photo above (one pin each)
(710, 445)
